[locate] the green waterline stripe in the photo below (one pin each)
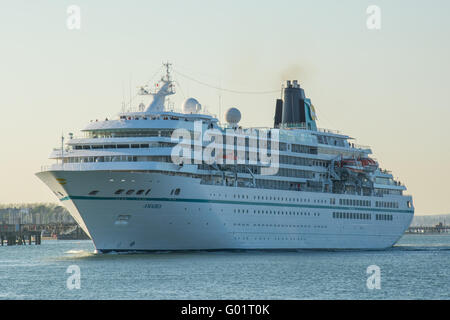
(249, 203)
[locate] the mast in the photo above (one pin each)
(167, 88)
(62, 150)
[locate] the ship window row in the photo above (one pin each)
(352, 215)
(387, 181)
(386, 204)
(355, 202)
(330, 140)
(150, 118)
(279, 225)
(238, 144)
(234, 148)
(386, 217)
(255, 157)
(381, 192)
(283, 159)
(132, 191)
(278, 212)
(168, 133)
(160, 117)
(287, 199)
(127, 134)
(124, 146)
(320, 163)
(291, 160)
(293, 173)
(117, 159)
(268, 238)
(303, 149)
(279, 184)
(296, 161)
(259, 183)
(254, 169)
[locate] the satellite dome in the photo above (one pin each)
(191, 105)
(233, 116)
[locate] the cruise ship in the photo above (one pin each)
(158, 179)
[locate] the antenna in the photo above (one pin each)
(130, 92)
(167, 65)
(62, 149)
(123, 96)
(159, 95)
(220, 101)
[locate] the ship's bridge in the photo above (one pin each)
(141, 120)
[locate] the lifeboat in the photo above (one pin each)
(369, 165)
(351, 164)
(360, 165)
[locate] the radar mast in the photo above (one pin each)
(159, 95)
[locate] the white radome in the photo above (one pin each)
(191, 105)
(233, 115)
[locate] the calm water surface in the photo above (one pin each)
(416, 268)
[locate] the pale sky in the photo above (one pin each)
(388, 88)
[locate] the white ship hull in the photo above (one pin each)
(215, 217)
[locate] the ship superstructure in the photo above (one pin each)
(164, 180)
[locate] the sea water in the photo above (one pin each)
(417, 267)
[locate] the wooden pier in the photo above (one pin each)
(13, 235)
